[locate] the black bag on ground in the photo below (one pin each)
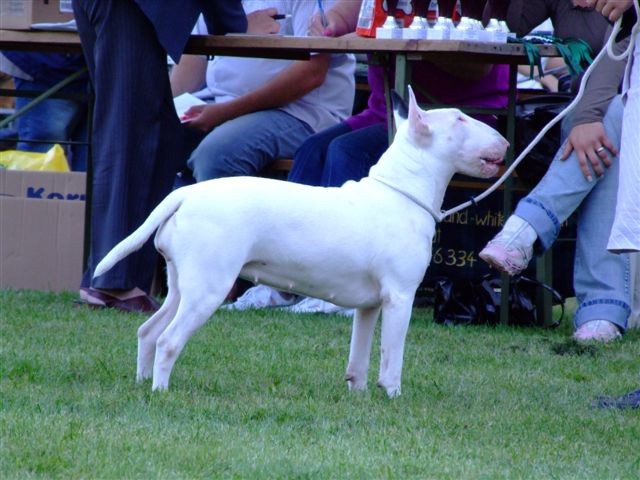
(478, 303)
(532, 115)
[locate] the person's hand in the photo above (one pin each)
(338, 22)
(317, 29)
(261, 22)
(192, 113)
(205, 117)
(612, 9)
(592, 147)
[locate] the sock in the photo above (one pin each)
(519, 230)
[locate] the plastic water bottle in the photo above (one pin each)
(433, 12)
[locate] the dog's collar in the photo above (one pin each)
(436, 216)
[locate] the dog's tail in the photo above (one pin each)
(134, 242)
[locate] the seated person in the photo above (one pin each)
(262, 109)
(57, 119)
(348, 150)
(601, 279)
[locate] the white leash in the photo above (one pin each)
(632, 39)
(414, 199)
(606, 50)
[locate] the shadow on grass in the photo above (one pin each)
(574, 348)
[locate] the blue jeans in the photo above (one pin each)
(53, 119)
(601, 279)
(337, 154)
(247, 144)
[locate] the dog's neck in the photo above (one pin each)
(419, 176)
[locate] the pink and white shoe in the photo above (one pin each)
(511, 250)
(597, 330)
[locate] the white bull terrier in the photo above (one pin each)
(365, 245)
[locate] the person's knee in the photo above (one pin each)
(311, 152)
(209, 164)
(347, 161)
(205, 167)
(340, 147)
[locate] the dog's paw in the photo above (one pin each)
(393, 391)
(144, 371)
(159, 386)
(141, 376)
(354, 384)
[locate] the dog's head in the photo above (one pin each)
(466, 145)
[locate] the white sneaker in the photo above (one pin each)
(262, 296)
(511, 250)
(315, 305)
(599, 330)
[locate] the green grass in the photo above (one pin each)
(262, 395)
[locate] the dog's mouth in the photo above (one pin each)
(492, 160)
(490, 166)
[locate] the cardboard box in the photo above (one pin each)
(41, 229)
(20, 14)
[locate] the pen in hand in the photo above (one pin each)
(323, 17)
(281, 16)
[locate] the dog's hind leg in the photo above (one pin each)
(364, 322)
(200, 296)
(150, 330)
(396, 314)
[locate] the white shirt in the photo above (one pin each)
(231, 77)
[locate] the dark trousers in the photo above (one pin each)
(137, 139)
(338, 154)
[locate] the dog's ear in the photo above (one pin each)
(400, 110)
(418, 125)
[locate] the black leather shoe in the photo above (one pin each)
(630, 400)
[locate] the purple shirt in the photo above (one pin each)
(491, 91)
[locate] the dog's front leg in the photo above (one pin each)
(364, 322)
(396, 314)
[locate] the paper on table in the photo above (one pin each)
(184, 102)
(69, 26)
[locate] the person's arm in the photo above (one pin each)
(294, 82)
(602, 86)
(470, 8)
(523, 16)
(495, 9)
(588, 134)
(342, 18)
(558, 68)
(189, 74)
(261, 22)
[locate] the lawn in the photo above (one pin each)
(262, 395)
